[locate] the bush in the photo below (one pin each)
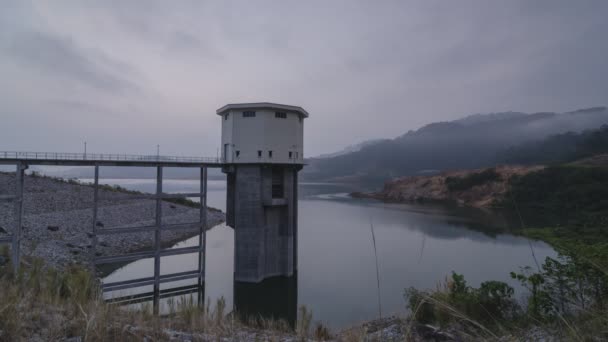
(471, 180)
(489, 304)
(568, 296)
(422, 310)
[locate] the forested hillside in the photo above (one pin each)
(476, 141)
(560, 148)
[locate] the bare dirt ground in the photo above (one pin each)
(434, 188)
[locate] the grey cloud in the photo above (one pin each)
(77, 108)
(190, 44)
(60, 56)
(377, 69)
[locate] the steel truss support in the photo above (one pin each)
(157, 252)
(94, 223)
(202, 236)
(157, 237)
(18, 216)
(15, 237)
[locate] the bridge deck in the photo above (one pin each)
(92, 159)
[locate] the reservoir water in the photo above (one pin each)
(418, 246)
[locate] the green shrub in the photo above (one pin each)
(567, 295)
(422, 310)
(496, 298)
(489, 304)
(471, 180)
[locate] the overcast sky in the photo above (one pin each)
(128, 75)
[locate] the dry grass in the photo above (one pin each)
(41, 303)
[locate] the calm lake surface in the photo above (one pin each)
(417, 246)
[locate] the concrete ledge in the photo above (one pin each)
(261, 278)
(275, 202)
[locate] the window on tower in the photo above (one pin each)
(277, 182)
(249, 114)
(290, 154)
(280, 115)
(238, 153)
(259, 153)
(269, 154)
(226, 116)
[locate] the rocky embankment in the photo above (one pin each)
(435, 188)
(58, 219)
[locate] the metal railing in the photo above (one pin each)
(104, 157)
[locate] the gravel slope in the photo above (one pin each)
(58, 220)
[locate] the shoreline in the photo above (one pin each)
(483, 188)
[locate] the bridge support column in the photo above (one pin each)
(18, 217)
(157, 237)
(202, 237)
(95, 208)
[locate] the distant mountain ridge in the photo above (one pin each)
(560, 148)
(479, 118)
(351, 148)
(475, 141)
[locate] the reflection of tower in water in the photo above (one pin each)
(274, 298)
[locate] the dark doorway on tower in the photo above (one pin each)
(277, 182)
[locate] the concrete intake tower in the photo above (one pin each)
(262, 151)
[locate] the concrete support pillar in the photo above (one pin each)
(95, 208)
(202, 237)
(18, 222)
(262, 209)
(157, 237)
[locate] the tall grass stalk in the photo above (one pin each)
(377, 270)
(303, 324)
(523, 226)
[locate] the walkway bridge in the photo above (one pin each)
(104, 159)
(22, 160)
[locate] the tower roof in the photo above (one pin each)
(262, 105)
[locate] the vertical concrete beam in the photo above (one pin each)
(265, 228)
(202, 236)
(19, 182)
(157, 240)
(230, 199)
(249, 224)
(294, 219)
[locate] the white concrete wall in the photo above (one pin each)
(265, 133)
(227, 124)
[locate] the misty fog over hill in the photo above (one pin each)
(352, 148)
(479, 140)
